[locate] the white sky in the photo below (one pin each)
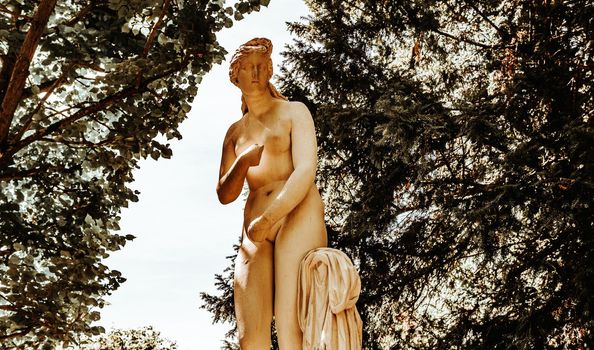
(183, 232)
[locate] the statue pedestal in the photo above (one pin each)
(328, 290)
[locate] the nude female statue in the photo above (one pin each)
(273, 147)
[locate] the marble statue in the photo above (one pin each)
(273, 147)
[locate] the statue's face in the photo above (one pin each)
(253, 73)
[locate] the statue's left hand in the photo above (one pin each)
(259, 228)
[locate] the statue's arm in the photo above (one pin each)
(305, 158)
(234, 168)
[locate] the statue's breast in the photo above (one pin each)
(276, 137)
(277, 141)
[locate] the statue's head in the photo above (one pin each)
(257, 46)
(260, 46)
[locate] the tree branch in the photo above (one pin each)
(13, 14)
(21, 332)
(155, 28)
(46, 85)
(79, 16)
(17, 175)
(151, 37)
(502, 33)
(29, 118)
(8, 61)
(20, 71)
(83, 142)
(447, 164)
(43, 87)
(468, 41)
(93, 108)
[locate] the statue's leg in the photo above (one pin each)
(302, 231)
(253, 293)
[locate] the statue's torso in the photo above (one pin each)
(274, 132)
(276, 164)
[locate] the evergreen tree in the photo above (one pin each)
(455, 144)
(87, 89)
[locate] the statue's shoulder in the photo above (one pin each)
(233, 131)
(298, 110)
(294, 109)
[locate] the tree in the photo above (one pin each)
(130, 339)
(454, 144)
(87, 89)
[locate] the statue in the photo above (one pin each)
(273, 147)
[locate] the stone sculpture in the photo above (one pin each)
(273, 147)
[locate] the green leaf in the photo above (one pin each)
(162, 39)
(125, 28)
(13, 260)
(243, 7)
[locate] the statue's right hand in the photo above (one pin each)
(252, 154)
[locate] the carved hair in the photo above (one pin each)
(263, 46)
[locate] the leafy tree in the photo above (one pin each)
(87, 89)
(455, 144)
(130, 339)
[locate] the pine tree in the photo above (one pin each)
(455, 147)
(87, 89)
(454, 139)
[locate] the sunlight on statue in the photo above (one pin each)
(273, 147)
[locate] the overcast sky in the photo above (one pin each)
(183, 232)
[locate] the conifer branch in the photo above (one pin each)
(502, 33)
(464, 40)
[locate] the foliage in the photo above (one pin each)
(130, 339)
(455, 144)
(88, 88)
(221, 306)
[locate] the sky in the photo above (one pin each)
(183, 233)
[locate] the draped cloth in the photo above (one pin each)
(328, 290)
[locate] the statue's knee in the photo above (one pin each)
(255, 338)
(254, 342)
(289, 335)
